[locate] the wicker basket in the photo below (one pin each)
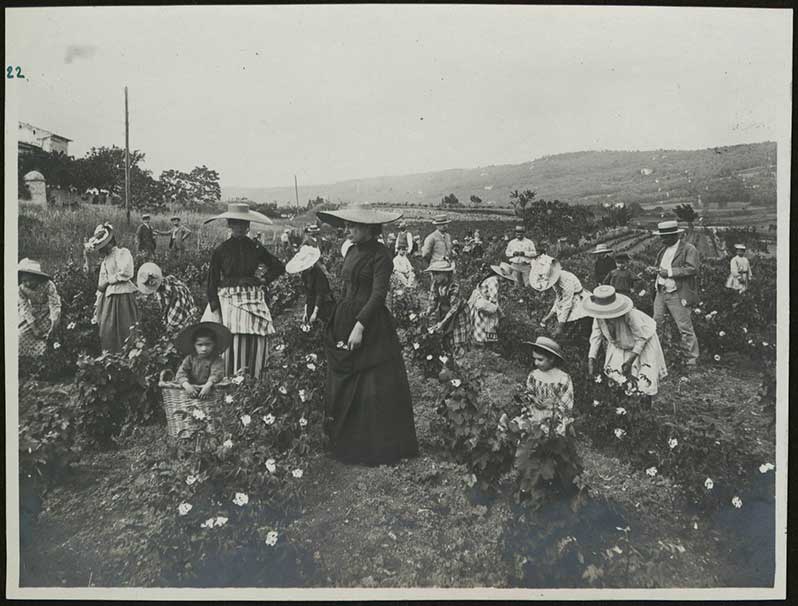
(178, 405)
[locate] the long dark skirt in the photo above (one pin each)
(370, 414)
(116, 315)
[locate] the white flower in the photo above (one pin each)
(745, 330)
(750, 341)
(240, 499)
(620, 411)
(311, 357)
(279, 347)
(282, 390)
(596, 403)
(737, 502)
(652, 471)
(297, 473)
(56, 345)
(340, 345)
(303, 395)
(412, 316)
(228, 399)
(270, 465)
(190, 480)
(208, 523)
(456, 382)
(764, 344)
(717, 358)
(598, 379)
(619, 433)
(303, 422)
(722, 333)
(94, 320)
(311, 366)
(228, 443)
(246, 420)
(221, 521)
(766, 467)
(183, 508)
(271, 538)
(642, 293)
(709, 484)
(673, 443)
(697, 310)
(709, 316)
(269, 419)
(71, 326)
(238, 380)
(431, 330)
(198, 414)
(429, 357)
(443, 359)
(304, 328)
(416, 345)
(399, 293)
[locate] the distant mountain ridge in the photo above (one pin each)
(652, 178)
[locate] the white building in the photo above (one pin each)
(32, 137)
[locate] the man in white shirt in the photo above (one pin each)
(438, 245)
(520, 252)
(676, 286)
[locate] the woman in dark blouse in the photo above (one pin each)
(236, 297)
(369, 405)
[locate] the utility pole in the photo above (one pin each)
(127, 162)
(296, 192)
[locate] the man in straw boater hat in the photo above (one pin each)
(369, 405)
(604, 262)
(739, 270)
(236, 297)
(174, 297)
(438, 245)
(520, 252)
(178, 235)
(38, 306)
(676, 285)
(145, 237)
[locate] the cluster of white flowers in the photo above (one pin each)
(431, 330)
(443, 359)
(271, 466)
(241, 499)
(598, 379)
(282, 389)
(271, 538)
(311, 366)
(652, 471)
(596, 403)
(297, 473)
(303, 422)
(416, 346)
(190, 480)
(246, 420)
(341, 345)
(737, 502)
(56, 345)
(456, 382)
(619, 433)
(311, 357)
(304, 327)
(303, 396)
(709, 484)
(269, 419)
(228, 443)
(412, 317)
(766, 467)
(184, 508)
(198, 414)
(71, 326)
(673, 443)
(214, 522)
(229, 399)
(619, 411)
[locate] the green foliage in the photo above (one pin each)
(195, 190)
(450, 200)
(686, 213)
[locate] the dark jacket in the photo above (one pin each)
(684, 267)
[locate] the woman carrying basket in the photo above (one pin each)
(235, 294)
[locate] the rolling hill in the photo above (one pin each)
(739, 174)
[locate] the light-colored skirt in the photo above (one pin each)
(736, 284)
(648, 368)
(116, 317)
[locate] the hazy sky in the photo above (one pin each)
(331, 93)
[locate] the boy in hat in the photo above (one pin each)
(676, 285)
(174, 297)
(604, 262)
(621, 278)
(519, 252)
(203, 366)
(145, 238)
(178, 235)
(739, 270)
(405, 236)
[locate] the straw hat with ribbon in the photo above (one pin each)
(544, 272)
(29, 266)
(606, 304)
(363, 216)
(504, 270)
(102, 235)
(547, 346)
(304, 259)
(441, 265)
(666, 228)
(600, 248)
(184, 342)
(149, 278)
(440, 220)
(241, 212)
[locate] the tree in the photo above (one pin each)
(196, 190)
(450, 200)
(476, 200)
(686, 213)
(314, 203)
(520, 200)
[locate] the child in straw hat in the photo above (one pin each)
(483, 304)
(739, 270)
(447, 308)
(319, 301)
(39, 308)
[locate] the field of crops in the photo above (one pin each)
(679, 494)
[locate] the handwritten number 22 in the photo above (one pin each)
(10, 72)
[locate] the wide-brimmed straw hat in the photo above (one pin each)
(102, 235)
(666, 228)
(504, 270)
(440, 220)
(600, 248)
(149, 278)
(29, 266)
(546, 345)
(605, 303)
(241, 212)
(739, 246)
(544, 271)
(364, 216)
(184, 342)
(441, 265)
(304, 259)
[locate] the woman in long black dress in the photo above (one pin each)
(369, 407)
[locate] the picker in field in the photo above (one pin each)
(520, 252)
(677, 285)
(483, 305)
(438, 245)
(548, 387)
(236, 297)
(178, 236)
(368, 395)
(630, 336)
(568, 296)
(115, 310)
(403, 273)
(404, 236)
(174, 297)
(604, 262)
(319, 301)
(203, 367)
(145, 238)
(740, 270)
(447, 308)
(39, 308)
(621, 278)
